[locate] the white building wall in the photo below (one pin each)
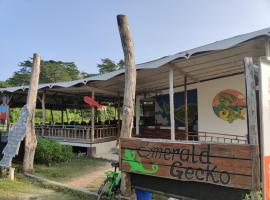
(207, 120)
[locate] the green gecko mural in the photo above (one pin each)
(135, 165)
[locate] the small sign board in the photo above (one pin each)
(228, 165)
(265, 122)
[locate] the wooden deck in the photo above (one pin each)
(79, 133)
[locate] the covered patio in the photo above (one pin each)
(178, 97)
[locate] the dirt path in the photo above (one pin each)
(90, 180)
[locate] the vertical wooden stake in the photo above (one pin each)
(186, 110)
(52, 116)
(129, 95)
(138, 112)
(30, 138)
(171, 92)
(43, 100)
(67, 116)
(252, 122)
(93, 119)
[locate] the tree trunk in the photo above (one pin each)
(129, 95)
(30, 138)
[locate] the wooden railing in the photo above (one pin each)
(193, 136)
(78, 133)
(218, 138)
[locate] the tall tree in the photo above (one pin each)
(51, 71)
(107, 65)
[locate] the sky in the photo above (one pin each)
(85, 31)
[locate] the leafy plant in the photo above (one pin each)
(49, 152)
(258, 196)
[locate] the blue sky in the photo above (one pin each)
(84, 31)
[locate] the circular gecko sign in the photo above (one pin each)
(230, 105)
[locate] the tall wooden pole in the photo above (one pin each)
(30, 138)
(93, 118)
(43, 100)
(52, 116)
(138, 112)
(252, 124)
(186, 110)
(129, 95)
(171, 94)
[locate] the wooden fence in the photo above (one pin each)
(77, 133)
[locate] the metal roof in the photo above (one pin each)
(181, 61)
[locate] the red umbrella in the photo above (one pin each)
(91, 102)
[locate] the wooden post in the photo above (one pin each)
(171, 94)
(138, 113)
(52, 116)
(82, 114)
(186, 110)
(267, 47)
(8, 112)
(129, 95)
(118, 109)
(30, 138)
(62, 116)
(43, 104)
(93, 119)
(67, 116)
(253, 135)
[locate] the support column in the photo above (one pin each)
(186, 110)
(118, 114)
(43, 100)
(93, 118)
(253, 134)
(138, 114)
(267, 47)
(52, 116)
(67, 116)
(9, 97)
(171, 94)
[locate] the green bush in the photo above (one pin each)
(50, 151)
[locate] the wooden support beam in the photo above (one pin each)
(138, 113)
(93, 118)
(253, 135)
(186, 108)
(182, 72)
(129, 95)
(267, 47)
(30, 138)
(171, 95)
(67, 116)
(43, 105)
(52, 116)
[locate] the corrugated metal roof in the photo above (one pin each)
(219, 45)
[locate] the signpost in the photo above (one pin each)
(265, 123)
(228, 165)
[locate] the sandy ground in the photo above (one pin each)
(91, 180)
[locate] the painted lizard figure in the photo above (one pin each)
(137, 166)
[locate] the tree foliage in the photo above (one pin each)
(107, 65)
(51, 71)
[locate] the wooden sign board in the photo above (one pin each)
(265, 122)
(227, 165)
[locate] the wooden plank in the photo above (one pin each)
(160, 158)
(252, 121)
(232, 166)
(235, 151)
(191, 174)
(171, 97)
(186, 107)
